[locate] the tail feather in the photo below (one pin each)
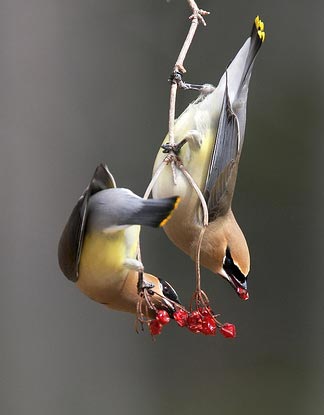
(257, 38)
(239, 69)
(155, 212)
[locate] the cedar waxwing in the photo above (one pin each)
(208, 138)
(98, 246)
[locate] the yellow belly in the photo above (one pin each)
(184, 226)
(102, 272)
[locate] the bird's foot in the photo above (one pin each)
(194, 139)
(176, 78)
(143, 285)
(173, 148)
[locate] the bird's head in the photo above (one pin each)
(236, 259)
(236, 270)
(225, 252)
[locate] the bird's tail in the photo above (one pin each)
(156, 212)
(239, 70)
(256, 39)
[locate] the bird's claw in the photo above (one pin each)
(176, 78)
(143, 285)
(173, 148)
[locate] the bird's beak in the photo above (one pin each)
(240, 287)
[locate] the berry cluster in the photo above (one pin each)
(161, 319)
(201, 320)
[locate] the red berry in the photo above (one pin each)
(209, 326)
(155, 327)
(194, 322)
(243, 293)
(228, 330)
(181, 317)
(163, 317)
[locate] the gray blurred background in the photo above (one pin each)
(83, 82)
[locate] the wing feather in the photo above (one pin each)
(71, 242)
(223, 161)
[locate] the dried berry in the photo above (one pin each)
(181, 317)
(243, 293)
(162, 317)
(209, 326)
(155, 327)
(228, 330)
(194, 321)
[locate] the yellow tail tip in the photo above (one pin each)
(176, 203)
(260, 28)
(166, 220)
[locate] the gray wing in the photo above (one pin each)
(239, 79)
(71, 242)
(221, 177)
(223, 165)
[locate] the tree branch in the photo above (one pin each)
(196, 17)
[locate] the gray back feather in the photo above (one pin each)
(71, 241)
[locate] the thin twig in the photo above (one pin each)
(198, 292)
(198, 191)
(200, 12)
(155, 177)
(198, 249)
(173, 96)
(196, 17)
(146, 195)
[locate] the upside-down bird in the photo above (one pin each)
(208, 140)
(98, 246)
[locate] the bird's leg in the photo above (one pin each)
(173, 150)
(142, 284)
(176, 77)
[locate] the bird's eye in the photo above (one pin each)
(232, 269)
(169, 291)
